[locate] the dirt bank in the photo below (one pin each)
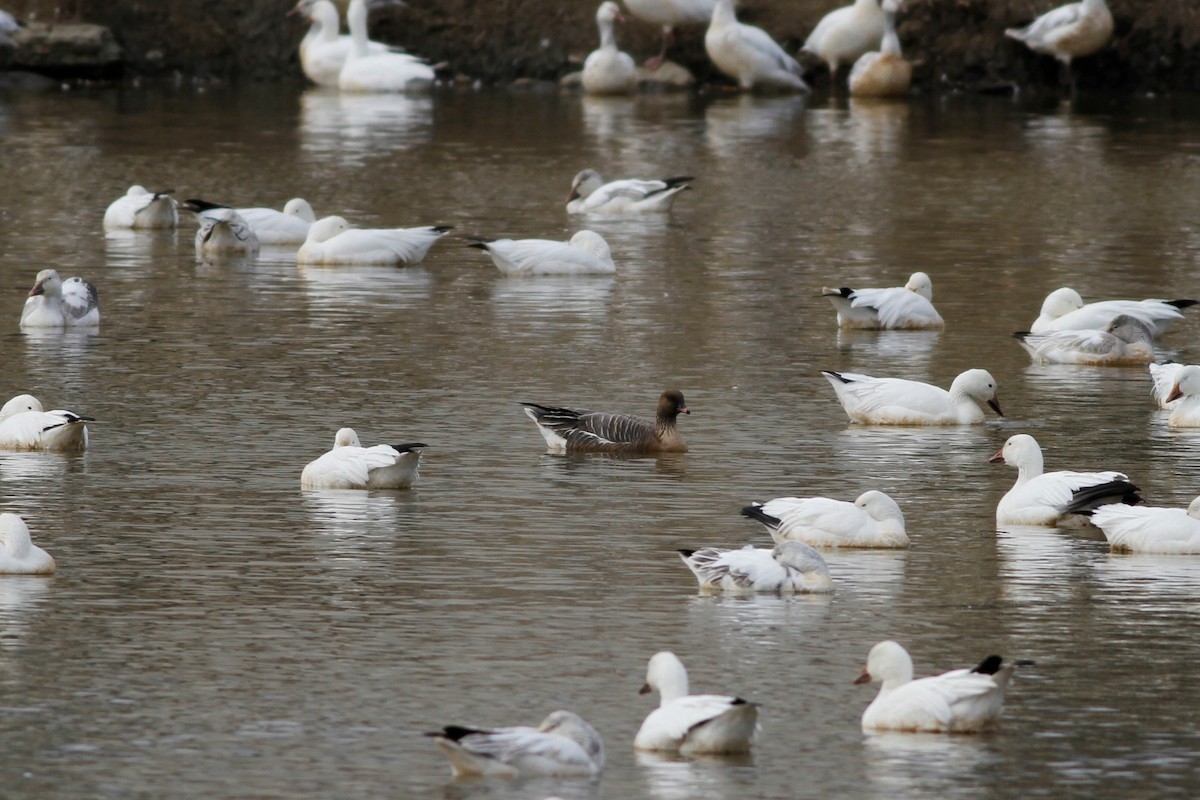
(954, 42)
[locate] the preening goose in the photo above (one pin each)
(885, 73)
(1064, 310)
(25, 425)
(563, 745)
(1186, 390)
(845, 34)
(222, 233)
(1163, 376)
(1053, 498)
(960, 701)
(55, 303)
(907, 307)
(1126, 341)
(788, 568)
(142, 209)
(895, 401)
(289, 226)
(872, 520)
(18, 554)
(1147, 529)
(366, 71)
(692, 724)
(1068, 32)
(332, 241)
(568, 430)
(629, 196)
(586, 254)
(607, 70)
(349, 465)
(748, 54)
(668, 14)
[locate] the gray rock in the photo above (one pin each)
(72, 46)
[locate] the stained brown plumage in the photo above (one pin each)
(577, 431)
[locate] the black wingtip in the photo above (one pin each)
(441, 228)
(989, 666)
(1182, 303)
(837, 375)
(685, 553)
(755, 512)
(407, 447)
(196, 205)
(453, 732)
(478, 245)
(841, 291)
(676, 181)
(163, 193)
(1086, 500)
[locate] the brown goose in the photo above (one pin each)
(569, 431)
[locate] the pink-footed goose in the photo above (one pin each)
(568, 430)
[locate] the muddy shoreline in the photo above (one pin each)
(955, 44)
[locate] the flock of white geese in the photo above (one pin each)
(1067, 330)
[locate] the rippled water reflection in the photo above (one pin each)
(214, 631)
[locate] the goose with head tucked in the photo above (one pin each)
(669, 14)
(585, 254)
(1162, 378)
(692, 724)
(895, 401)
(1064, 310)
(323, 50)
(607, 70)
(1149, 529)
(907, 307)
(788, 568)
(55, 303)
(18, 554)
(1185, 393)
(222, 232)
(26, 425)
(332, 240)
(885, 73)
(140, 208)
(564, 745)
(1126, 341)
(748, 54)
(845, 34)
(872, 520)
(270, 226)
(959, 701)
(349, 465)
(568, 430)
(626, 197)
(365, 71)
(1054, 498)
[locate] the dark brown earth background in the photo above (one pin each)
(954, 43)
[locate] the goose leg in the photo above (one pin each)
(667, 40)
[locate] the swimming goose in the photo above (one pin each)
(1067, 32)
(569, 431)
(591, 195)
(959, 701)
(907, 307)
(1185, 389)
(1163, 378)
(289, 226)
(586, 254)
(323, 50)
(563, 745)
(895, 401)
(608, 70)
(378, 72)
(1148, 529)
(789, 567)
(55, 303)
(140, 208)
(18, 554)
(872, 520)
(668, 14)
(349, 465)
(885, 73)
(845, 34)
(25, 425)
(1064, 310)
(333, 241)
(1054, 498)
(692, 724)
(1125, 341)
(749, 54)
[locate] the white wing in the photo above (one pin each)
(897, 307)
(80, 299)
(346, 467)
(818, 521)
(275, 227)
(668, 725)
(1146, 529)
(543, 257)
(890, 398)
(1164, 376)
(383, 245)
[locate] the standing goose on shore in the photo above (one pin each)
(626, 197)
(607, 70)
(1068, 32)
(323, 50)
(379, 72)
(895, 401)
(55, 303)
(885, 73)
(568, 430)
(142, 209)
(845, 34)
(907, 307)
(748, 54)
(668, 14)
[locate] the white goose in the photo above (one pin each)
(586, 254)
(692, 724)
(140, 208)
(1068, 32)
(668, 14)
(563, 745)
(379, 72)
(55, 303)
(333, 241)
(959, 701)
(895, 401)
(1054, 498)
(788, 568)
(349, 465)
(25, 425)
(1185, 389)
(629, 196)
(270, 226)
(1064, 310)
(608, 70)
(1147, 529)
(323, 51)
(845, 34)
(748, 54)
(1163, 376)
(872, 520)
(885, 73)
(18, 554)
(907, 307)
(1126, 341)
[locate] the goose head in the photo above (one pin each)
(297, 207)
(48, 283)
(1193, 509)
(1130, 330)
(666, 675)
(671, 404)
(574, 727)
(346, 437)
(1187, 383)
(592, 242)
(879, 506)
(1021, 451)
(919, 282)
(19, 405)
(980, 386)
(801, 558)
(325, 229)
(1061, 301)
(889, 663)
(584, 184)
(608, 13)
(137, 190)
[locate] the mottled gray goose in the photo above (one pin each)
(567, 430)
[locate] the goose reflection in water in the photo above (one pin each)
(21, 597)
(356, 126)
(670, 776)
(733, 124)
(905, 352)
(925, 765)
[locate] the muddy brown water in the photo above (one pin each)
(214, 631)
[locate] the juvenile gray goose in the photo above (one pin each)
(568, 430)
